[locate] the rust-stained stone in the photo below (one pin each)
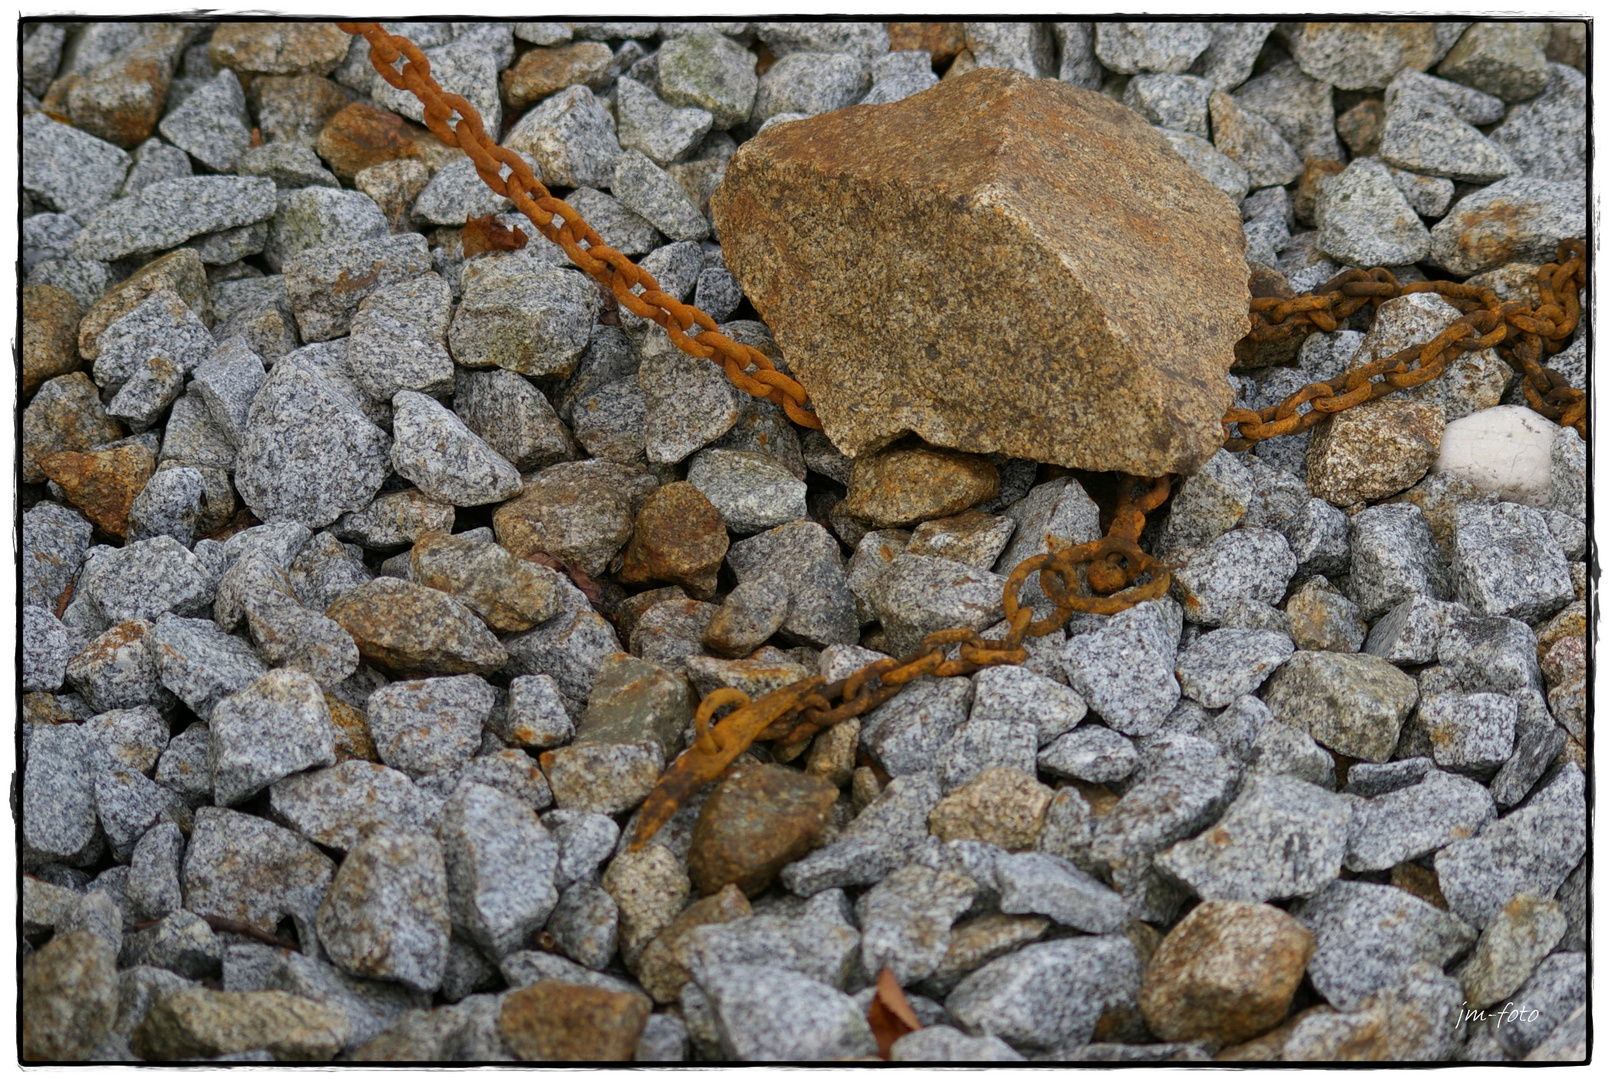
(907, 485)
(1225, 973)
(942, 39)
(181, 271)
(541, 72)
(361, 135)
(49, 335)
(1021, 266)
(122, 99)
(662, 970)
(66, 414)
(102, 483)
(678, 537)
(352, 738)
(1374, 450)
(760, 819)
(561, 1021)
(279, 48)
(410, 631)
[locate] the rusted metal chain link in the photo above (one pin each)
(1520, 332)
(532, 198)
(1101, 577)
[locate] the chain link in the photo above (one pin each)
(1104, 576)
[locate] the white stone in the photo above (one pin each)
(1506, 450)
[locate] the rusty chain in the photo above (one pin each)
(1104, 576)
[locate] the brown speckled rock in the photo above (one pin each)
(907, 485)
(678, 537)
(352, 738)
(1040, 232)
(361, 135)
(279, 48)
(561, 1021)
(49, 335)
(1002, 805)
(760, 818)
(1225, 973)
(410, 631)
(1374, 450)
(662, 970)
(198, 1022)
(509, 594)
(580, 510)
(103, 483)
(541, 72)
(121, 99)
(69, 997)
(66, 414)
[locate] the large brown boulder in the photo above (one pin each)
(997, 264)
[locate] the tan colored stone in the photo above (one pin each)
(1361, 126)
(1511, 945)
(122, 99)
(198, 1022)
(906, 485)
(1374, 450)
(560, 1021)
(650, 889)
(541, 72)
(942, 39)
(279, 48)
(102, 483)
(49, 335)
(1021, 266)
(181, 271)
(678, 537)
(975, 942)
(352, 738)
(1361, 55)
(579, 510)
(1571, 622)
(394, 185)
(1567, 44)
(832, 753)
(509, 594)
(758, 820)
(663, 967)
(1001, 805)
(361, 135)
(1225, 973)
(411, 631)
(69, 998)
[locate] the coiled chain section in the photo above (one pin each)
(1104, 576)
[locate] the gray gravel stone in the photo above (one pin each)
(572, 137)
(394, 520)
(500, 866)
(311, 276)
(805, 559)
(118, 670)
(1532, 849)
(1553, 995)
(1367, 937)
(170, 504)
(810, 83)
(288, 165)
(751, 491)
(1410, 632)
(47, 236)
(904, 735)
(1208, 504)
(522, 315)
(708, 71)
(465, 66)
(689, 402)
(1254, 143)
(660, 131)
(1243, 564)
(211, 124)
(201, 664)
(1129, 48)
(336, 807)
(1058, 510)
(584, 924)
(249, 869)
(128, 805)
(1049, 995)
(1424, 133)
(766, 1013)
(1222, 665)
(317, 217)
(1538, 738)
(1352, 703)
(456, 193)
(1282, 837)
(983, 744)
(1415, 821)
(1036, 883)
(1504, 59)
(278, 725)
(1223, 173)
(1093, 754)
(513, 417)
(1017, 695)
(310, 454)
(1393, 558)
(161, 326)
(1171, 101)
(58, 796)
(1489, 655)
(444, 458)
(227, 381)
(1469, 733)
(651, 193)
(54, 539)
(1364, 218)
(919, 594)
(1546, 136)
(1535, 215)
(70, 170)
(1507, 562)
(621, 229)
(584, 841)
(181, 942)
(905, 920)
(1509, 949)
(876, 842)
(1124, 670)
(154, 886)
(427, 725)
(45, 650)
(182, 768)
(146, 579)
(942, 1043)
(398, 339)
(127, 738)
(1299, 107)
(385, 916)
